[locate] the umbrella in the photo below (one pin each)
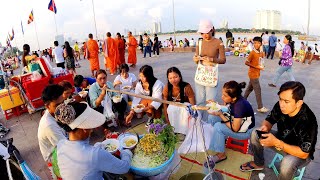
(27, 172)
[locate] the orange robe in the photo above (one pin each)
(132, 50)
(110, 59)
(122, 49)
(93, 54)
(116, 43)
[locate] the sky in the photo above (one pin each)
(74, 18)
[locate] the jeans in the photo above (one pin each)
(265, 49)
(289, 164)
(204, 93)
(147, 49)
(221, 132)
(280, 71)
(271, 51)
(254, 84)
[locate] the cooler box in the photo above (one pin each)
(38, 103)
(68, 77)
(5, 100)
(34, 89)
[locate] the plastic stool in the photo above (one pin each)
(277, 158)
(238, 145)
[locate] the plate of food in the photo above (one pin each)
(129, 141)
(111, 145)
(213, 107)
(138, 108)
(83, 94)
(117, 98)
(126, 88)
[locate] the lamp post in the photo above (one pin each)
(174, 23)
(94, 18)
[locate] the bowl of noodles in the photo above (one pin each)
(129, 141)
(213, 107)
(111, 145)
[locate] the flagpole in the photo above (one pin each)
(94, 18)
(35, 27)
(55, 22)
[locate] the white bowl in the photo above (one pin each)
(83, 94)
(138, 110)
(117, 98)
(126, 138)
(126, 88)
(211, 110)
(114, 142)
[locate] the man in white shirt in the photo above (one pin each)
(265, 43)
(58, 55)
(49, 132)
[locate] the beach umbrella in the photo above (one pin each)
(27, 172)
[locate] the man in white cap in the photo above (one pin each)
(77, 159)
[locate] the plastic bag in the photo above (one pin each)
(35, 76)
(194, 139)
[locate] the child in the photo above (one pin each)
(82, 83)
(308, 55)
(255, 65)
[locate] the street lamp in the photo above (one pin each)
(94, 18)
(174, 23)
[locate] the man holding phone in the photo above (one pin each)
(296, 136)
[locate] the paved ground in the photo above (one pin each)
(24, 128)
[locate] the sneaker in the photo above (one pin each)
(150, 121)
(263, 110)
(272, 85)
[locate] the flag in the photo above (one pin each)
(8, 42)
(52, 6)
(30, 20)
(22, 28)
(12, 37)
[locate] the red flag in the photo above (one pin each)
(52, 6)
(30, 20)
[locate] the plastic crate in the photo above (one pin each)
(34, 89)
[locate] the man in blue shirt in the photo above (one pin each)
(272, 45)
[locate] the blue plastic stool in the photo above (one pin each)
(277, 158)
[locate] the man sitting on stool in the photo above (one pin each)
(296, 136)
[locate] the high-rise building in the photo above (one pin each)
(159, 27)
(224, 24)
(156, 27)
(60, 39)
(268, 19)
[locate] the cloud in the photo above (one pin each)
(155, 13)
(208, 11)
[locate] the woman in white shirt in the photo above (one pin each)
(126, 81)
(148, 85)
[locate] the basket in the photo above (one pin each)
(147, 172)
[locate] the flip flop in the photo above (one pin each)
(251, 168)
(216, 159)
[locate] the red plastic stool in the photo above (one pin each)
(238, 145)
(9, 113)
(21, 109)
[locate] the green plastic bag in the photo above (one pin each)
(54, 161)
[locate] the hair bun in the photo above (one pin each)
(242, 85)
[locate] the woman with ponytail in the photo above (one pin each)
(286, 60)
(237, 122)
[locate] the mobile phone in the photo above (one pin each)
(259, 133)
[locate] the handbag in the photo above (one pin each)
(206, 75)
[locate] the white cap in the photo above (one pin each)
(205, 26)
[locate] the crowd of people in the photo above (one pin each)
(69, 118)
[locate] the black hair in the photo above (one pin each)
(234, 89)
(118, 34)
(267, 32)
(124, 67)
(90, 36)
(273, 32)
(298, 89)
(78, 79)
(66, 85)
(79, 108)
(147, 71)
(309, 48)
(51, 93)
(182, 84)
(26, 51)
(257, 38)
(145, 34)
(68, 49)
(101, 71)
(56, 43)
(291, 43)
(108, 34)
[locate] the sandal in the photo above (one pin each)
(250, 166)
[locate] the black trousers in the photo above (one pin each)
(61, 65)
(271, 52)
(156, 49)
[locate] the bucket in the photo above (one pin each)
(193, 176)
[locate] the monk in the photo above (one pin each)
(110, 54)
(132, 48)
(116, 48)
(122, 48)
(92, 53)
